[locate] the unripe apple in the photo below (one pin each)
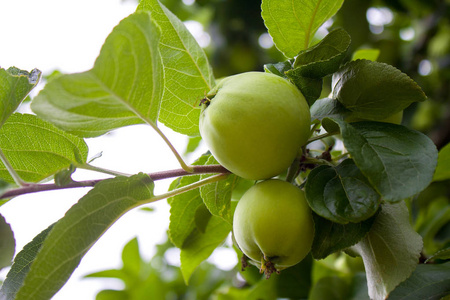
(255, 124)
(273, 225)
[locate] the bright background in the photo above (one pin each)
(67, 36)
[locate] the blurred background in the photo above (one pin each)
(66, 36)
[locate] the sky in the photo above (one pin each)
(67, 36)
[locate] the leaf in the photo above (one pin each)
(330, 288)
(374, 90)
(390, 251)
(443, 164)
(21, 267)
(280, 68)
(328, 108)
(187, 73)
(399, 162)
(183, 207)
(442, 254)
(331, 237)
(7, 243)
(15, 84)
(74, 234)
(341, 194)
(294, 282)
(123, 88)
(292, 24)
(369, 54)
(217, 196)
(37, 149)
(200, 246)
(426, 282)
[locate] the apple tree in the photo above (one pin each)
(323, 166)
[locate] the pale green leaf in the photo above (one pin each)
(369, 54)
(390, 251)
(200, 246)
(292, 24)
(123, 88)
(73, 235)
(21, 267)
(443, 164)
(7, 243)
(188, 77)
(37, 149)
(15, 85)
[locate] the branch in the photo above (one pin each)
(34, 188)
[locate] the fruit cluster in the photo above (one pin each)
(255, 125)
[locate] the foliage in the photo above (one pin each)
(378, 191)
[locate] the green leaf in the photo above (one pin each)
(183, 207)
(328, 108)
(21, 267)
(217, 196)
(15, 84)
(7, 243)
(37, 149)
(123, 88)
(330, 288)
(330, 237)
(390, 251)
(200, 246)
(341, 194)
(442, 254)
(399, 162)
(193, 144)
(369, 54)
(292, 24)
(426, 282)
(294, 282)
(280, 68)
(374, 90)
(443, 164)
(323, 58)
(73, 235)
(311, 88)
(188, 77)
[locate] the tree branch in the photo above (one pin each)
(34, 188)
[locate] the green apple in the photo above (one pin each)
(273, 225)
(255, 124)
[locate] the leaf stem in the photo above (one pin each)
(189, 187)
(19, 181)
(34, 188)
(319, 137)
(101, 170)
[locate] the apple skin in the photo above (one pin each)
(273, 224)
(255, 124)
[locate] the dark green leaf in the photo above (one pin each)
(311, 88)
(187, 73)
(37, 149)
(292, 24)
(330, 288)
(330, 237)
(323, 58)
(15, 84)
(443, 164)
(21, 267)
(294, 282)
(341, 194)
(123, 88)
(7, 243)
(374, 90)
(328, 108)
(399, 162)
(79, 229)
(430, 282)
(390, 250)
(280, 68)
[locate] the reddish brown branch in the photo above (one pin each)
(34, 188)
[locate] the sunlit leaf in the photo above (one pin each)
(369, 54)
(15, 84)
(123, 88)
(390, 251)
(73, 235)
(443, 165)
(292, 24)
(36, 149)
(187, 73)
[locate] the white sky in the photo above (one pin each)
(67, 35)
